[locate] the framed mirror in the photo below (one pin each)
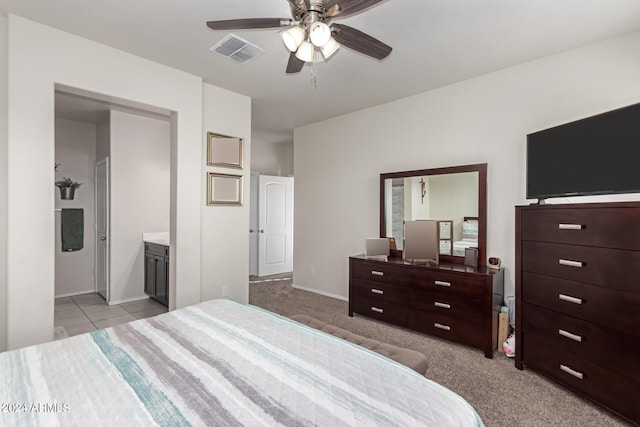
(224, 189)
(455, 196)
(226, 151)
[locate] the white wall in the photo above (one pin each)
(75, 145)
(454, 197)
(40, 57)
(268, 158)
(140, 178)
(481, 120)
(3, 182)
(225, 229)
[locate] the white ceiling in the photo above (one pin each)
(435, 43)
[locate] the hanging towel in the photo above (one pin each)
(72, 229)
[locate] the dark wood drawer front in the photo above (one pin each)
(381, 310)
(607, 307)
(597, 344)
(379, 271)
(451, 328)
(448, 305)
(449, 284)
(619, 393)
(604, 227)
(612, 268)
(380, 291)
(461, 284)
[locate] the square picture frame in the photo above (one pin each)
(224, 189)
(225, 151)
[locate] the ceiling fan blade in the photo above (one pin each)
(250, 23)
(359, 41)
(349, 7)
(294, 65)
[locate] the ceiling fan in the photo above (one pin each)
(311, 28)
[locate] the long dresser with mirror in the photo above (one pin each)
(578, 299)
(447, 299)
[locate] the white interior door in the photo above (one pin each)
(102, 228)
(275, 220)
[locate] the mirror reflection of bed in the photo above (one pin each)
(469, 237)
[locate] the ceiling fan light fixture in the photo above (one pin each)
(305, 52)
(330, 48)
(319, 33)
(293, 37)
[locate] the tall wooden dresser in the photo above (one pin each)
(451, 301)
(578, 299)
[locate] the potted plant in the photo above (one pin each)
(67, 188)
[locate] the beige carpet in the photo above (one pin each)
(501, 394)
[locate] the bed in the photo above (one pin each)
(217, 363)
(469, 236)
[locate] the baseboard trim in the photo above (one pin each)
(316, 291)
(75, 294)
(116, 302)
(126, 300)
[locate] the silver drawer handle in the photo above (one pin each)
(570, 335)
(377, 310)
(567, 298)
(570, 371)
(377, 291)
(441, 283)
(570, 263)
(441, 326)
(442, 305)
(377, 273)
(570, 226)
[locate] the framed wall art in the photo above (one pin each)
(225, 151)
(224, 189)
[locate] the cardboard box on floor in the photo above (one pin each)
(503, 330)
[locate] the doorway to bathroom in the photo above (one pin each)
(120, 157)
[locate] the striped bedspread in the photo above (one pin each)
(217, 363)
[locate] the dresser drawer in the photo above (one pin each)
(619, 393)
(446, 304)
(451, 328)
(380, 272)
(381, 310)
(450, 284)
(604, 227)
(607, 307)
(612, 268)
(617, 352)
(423, 278)
(379, 291)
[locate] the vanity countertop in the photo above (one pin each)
(160, 238)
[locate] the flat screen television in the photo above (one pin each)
(596, 155)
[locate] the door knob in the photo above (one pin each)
(103, 238)
(262, 231)
(251, 230)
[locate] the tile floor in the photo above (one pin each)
(89, 312)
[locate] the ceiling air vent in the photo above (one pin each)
(233, 47)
